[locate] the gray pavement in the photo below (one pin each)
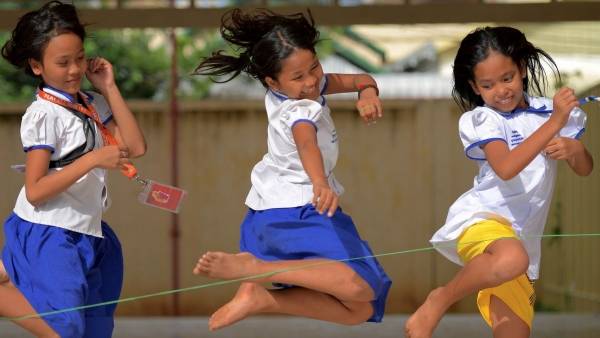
(452, 326)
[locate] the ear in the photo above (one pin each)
(474, 87)
(272, 83)
(36, 67)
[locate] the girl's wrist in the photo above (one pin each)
(91, 159)
(555, 123)
(320, 181)
(108, 89)
(367, 86)
(579, 149)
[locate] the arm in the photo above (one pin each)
(506, 163)
(40, 187)
(348, 83)
(124, 126)
(574, 152)
(305, 137)
(369, 106)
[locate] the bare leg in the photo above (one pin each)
(13, 304)
(505, 323)
(252, 298)
(502, 261)
(326, 276)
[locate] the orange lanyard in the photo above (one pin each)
(129, 170)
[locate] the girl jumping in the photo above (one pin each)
(494, 230)
(294, 222)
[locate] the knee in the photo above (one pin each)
(359, 313)
(509, 267)
(359, 290)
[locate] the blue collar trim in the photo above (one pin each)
(65, 95)
(55, 91)
(283, 97)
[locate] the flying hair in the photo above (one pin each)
(262, 39)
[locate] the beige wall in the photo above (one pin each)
(400, 174)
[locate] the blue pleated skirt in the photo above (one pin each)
(57, 269)
(302, 233)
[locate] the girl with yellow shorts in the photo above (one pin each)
(494, 230)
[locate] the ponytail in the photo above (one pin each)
(264, 39)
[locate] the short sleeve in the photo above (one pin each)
(298, 111)
(575, 126)
(101, 106)
(477, 128)
(39, 129)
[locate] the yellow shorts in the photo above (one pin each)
(518, 294)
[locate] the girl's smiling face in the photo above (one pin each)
(499, 82)
(63, 63)
(300, 76)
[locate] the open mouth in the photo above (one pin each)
(310, 92)
(505, 101)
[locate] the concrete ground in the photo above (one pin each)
(452, 326)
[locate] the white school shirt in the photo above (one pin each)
(522, 201)
(279, 179)
(50, 126)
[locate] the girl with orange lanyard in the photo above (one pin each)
(58, 252)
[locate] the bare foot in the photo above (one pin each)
(250, 298)
(422, 323)
(3, 274)
(227, 266)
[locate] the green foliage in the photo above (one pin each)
(325, 46)
(141, 71)
(192, 46)
(21, 88)
(15, 85)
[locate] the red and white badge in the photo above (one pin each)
(162, 196)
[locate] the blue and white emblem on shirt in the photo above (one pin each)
(515, 138)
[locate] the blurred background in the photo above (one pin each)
(401, 174)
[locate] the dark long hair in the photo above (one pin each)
(35, 29)
(511, 42)
(263, 39)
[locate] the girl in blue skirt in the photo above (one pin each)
(294, 222)
(58, 252)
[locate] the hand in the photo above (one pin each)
(369, 106)
(563, 148)
(564, 102)
(324, 199)
(100, 73)
(111, 157)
